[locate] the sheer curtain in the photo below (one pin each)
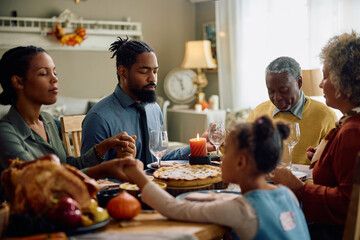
(252, 33)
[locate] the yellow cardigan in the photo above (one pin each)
(317, 120)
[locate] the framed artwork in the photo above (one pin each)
(209, 33)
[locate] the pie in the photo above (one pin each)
(106, 184)
(167, 164)
(188, 176)
(133, 187)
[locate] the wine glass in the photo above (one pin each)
(292, 140)
(217, 133)
(158, 144)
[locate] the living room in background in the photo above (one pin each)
(254, 32)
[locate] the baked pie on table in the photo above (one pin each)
(188, 175)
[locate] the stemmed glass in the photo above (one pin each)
(292, 140)
(217, 133)
(158, 144)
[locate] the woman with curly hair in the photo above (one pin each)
(325, 203)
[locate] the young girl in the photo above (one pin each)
(263, 211)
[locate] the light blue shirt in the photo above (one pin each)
(115, 114)
(297, 110)
(279, 216)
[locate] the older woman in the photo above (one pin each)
(326, 202)
(28, 79)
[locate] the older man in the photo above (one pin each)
(288, 103)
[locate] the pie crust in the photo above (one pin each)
(188, 176)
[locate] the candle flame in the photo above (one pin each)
(197, 136)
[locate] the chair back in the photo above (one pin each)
(72, 125)
(164, 111)
(352, 225)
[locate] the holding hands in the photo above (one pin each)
(283, 175)
(122, 142)
(115, 168)
(209, 146)
(136, 175)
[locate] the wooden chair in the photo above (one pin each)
(352, 225)
(72, 125)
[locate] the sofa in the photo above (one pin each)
(64, 106)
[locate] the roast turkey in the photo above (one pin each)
(36, 185)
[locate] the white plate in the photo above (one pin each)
(301, 175)
(182, 196)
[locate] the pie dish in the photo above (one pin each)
(208, 195)
(188, 176)
(172, 163)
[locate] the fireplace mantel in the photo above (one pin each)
(18, 31)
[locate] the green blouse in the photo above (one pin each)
(18, 140)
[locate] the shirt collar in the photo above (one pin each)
(20, 126)
(24, 131)
(124, 99)
(297, 110)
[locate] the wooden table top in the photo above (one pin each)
(154, 222)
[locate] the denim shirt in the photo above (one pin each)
(279, 217)
(115, 114)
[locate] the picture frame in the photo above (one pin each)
(209, 33)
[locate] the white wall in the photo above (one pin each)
(166, 25)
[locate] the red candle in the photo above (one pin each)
(198, 147)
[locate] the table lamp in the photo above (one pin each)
(311, 80)
(198, 55)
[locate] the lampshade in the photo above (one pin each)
(311, 80)
(198, 55)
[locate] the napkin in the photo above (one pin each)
(318, 153)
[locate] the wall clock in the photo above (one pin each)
(179, 86)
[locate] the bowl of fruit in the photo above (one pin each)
(46, 196)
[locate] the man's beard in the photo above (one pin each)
(143, 95)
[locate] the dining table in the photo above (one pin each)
(150, 224)
(153, 225)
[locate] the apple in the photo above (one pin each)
(66, 212)
(95, 213)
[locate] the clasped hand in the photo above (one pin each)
(284, 176)
(209, 146)
(122, 142)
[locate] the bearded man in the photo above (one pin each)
(132, 107)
